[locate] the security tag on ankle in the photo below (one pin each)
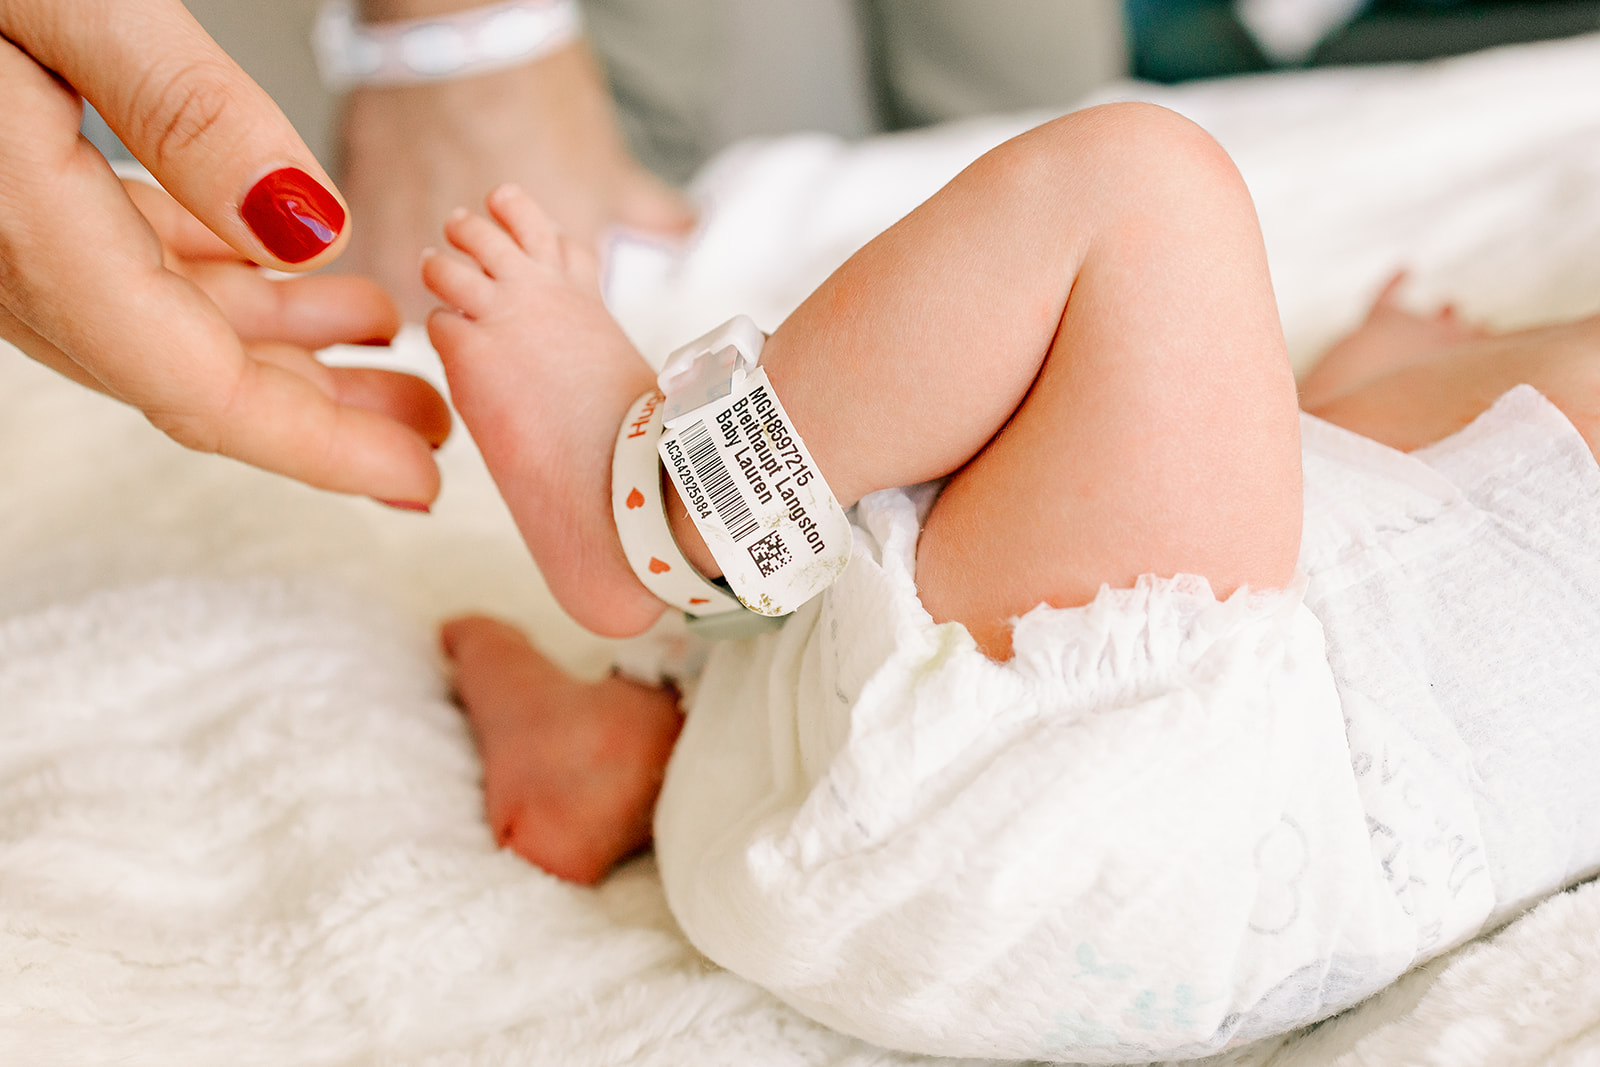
(751, 486)
(636, 501)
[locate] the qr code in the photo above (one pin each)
(770, 553)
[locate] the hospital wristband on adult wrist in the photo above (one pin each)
(433, 48)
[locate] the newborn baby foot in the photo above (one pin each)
(571, 770)
(542, 376)
(1390, 339)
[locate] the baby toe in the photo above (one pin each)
(526, 221)
(462, 285)
(494, 249)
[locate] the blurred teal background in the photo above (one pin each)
(1179, 40)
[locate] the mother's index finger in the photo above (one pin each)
(208, 133)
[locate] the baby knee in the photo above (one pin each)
(1133, 151)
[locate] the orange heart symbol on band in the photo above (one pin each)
(647, 542)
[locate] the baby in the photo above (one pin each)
(1160, 716)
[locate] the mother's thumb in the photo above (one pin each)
(212, 137)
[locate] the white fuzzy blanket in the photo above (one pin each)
(239, 818)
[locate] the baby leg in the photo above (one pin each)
(1080, 328)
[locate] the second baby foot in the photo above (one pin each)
(571, 769)
(1390, 339)
(542, 376)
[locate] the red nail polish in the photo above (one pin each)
(377, 342)
(292, 214)
(405, 505)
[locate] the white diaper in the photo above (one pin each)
(1147, 835)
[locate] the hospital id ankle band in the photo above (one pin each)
(641, 516)
(647, 541)
(750, 484)
(433, 48)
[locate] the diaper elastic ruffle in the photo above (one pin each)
(1137, 839)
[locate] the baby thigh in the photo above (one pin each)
(1080, 328)
(1159, 434)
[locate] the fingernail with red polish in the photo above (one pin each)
(406, 505)
(377, 342)
(293, 215)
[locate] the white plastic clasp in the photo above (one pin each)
(709, 368)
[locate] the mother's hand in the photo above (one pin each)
(121, 289)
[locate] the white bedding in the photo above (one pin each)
(239, 818)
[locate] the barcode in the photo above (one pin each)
(717, 482)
